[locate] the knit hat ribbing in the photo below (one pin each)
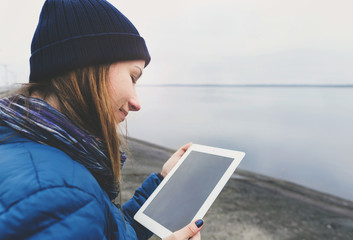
(78, 33)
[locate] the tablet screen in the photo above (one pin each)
(188, 188)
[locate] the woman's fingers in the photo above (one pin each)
(174, 159)
(191, 231)
(183, 149)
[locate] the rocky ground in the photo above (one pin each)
(253, 206)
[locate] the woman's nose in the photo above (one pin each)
(134, 104)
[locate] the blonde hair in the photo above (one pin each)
(82, 95)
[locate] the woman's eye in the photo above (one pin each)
(133, 79)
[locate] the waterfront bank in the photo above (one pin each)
(252, 206)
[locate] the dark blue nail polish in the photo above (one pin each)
(199, 223)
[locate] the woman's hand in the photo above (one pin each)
(191, 231)
(174, 159)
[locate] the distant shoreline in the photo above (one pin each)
(6, 88)
(253, 85)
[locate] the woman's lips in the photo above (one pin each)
(123, 114)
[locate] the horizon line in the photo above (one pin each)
(250, 85)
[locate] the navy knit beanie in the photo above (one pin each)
(78, 33)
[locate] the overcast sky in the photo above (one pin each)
(219, 41)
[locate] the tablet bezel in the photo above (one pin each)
(162, 231)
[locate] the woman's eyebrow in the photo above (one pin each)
(139, 69)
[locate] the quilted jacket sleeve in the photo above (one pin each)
(54, 213)
(133, 205)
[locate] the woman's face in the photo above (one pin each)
(122, 80)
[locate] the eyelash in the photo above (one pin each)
(133, 79)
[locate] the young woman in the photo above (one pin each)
(60, 156)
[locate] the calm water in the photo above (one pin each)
(303, 135)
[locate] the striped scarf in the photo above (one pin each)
(40, 122)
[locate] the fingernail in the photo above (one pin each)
(199, 223)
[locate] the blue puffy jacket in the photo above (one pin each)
(44, 194)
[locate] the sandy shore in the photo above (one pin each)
(253, 206)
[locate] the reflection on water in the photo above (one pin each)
(303, 135)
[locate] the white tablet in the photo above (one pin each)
(189, 189)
